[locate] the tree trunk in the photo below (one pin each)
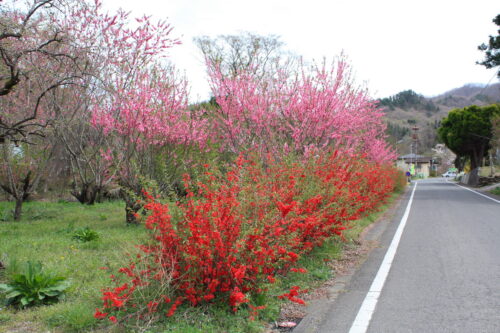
(132, 206)
(18, 210)
(492, 164)
(92, 194)
(473, 177)
(87, 194)
(459, 163)
(131, 215)
(475, 163)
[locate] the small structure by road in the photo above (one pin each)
(423, 165)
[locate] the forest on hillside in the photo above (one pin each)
(408, 109)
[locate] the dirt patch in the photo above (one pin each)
(23, 327)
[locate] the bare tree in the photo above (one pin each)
(22, 167)
(36, 58)
(232, 54)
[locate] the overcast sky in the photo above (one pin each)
(393, 45)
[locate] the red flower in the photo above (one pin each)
(237, 297)
(284, 208)
(152, 306)
(113, 297)
(99, 315)
(113, 319)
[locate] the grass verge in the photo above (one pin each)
(495, 191)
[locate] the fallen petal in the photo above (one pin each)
(287, 324)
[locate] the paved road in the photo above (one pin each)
(445, 276)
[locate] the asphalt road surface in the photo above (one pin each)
(445, 273)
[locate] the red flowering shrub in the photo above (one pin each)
(241, 229)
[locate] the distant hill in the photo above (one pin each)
(408, 99)
(470, 94)
(409, 109)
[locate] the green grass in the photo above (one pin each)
(495, 191)
(45, 234)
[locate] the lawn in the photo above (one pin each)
(45, 234)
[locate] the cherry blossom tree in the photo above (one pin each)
(142, 102)
(37, 56)
(69, 65)
(304, 110)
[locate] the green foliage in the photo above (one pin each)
(85, 235)
(4, 318)
(49, 241)
(209, 105)
(170, 164)
(397, 132)
(39, 214)
(495, 140)
(76, 318)
(34, 287)
(496, 191)
(6, 215)
(468, 131)
(492, 50)
(408, 99)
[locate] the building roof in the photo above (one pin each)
(414, 158)
(408, 156)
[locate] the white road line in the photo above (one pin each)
(468, 189)
(360, 324)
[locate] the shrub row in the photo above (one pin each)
(236, 231)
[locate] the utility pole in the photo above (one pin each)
(414, 144)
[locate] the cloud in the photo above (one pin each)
(427, 46)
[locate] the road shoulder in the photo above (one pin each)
(352, 261)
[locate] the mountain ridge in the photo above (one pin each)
(408, 109)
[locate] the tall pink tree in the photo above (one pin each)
(38, 56)
(301, 110)
(118, 54)
(142, 101)
(38, 60)
(150, 112)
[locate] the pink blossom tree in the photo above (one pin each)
(68, 64)
(37, 61)
(302, 110)
(38, 55)
(151, 112)
(142, 101)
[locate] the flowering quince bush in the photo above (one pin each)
(237, 231)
